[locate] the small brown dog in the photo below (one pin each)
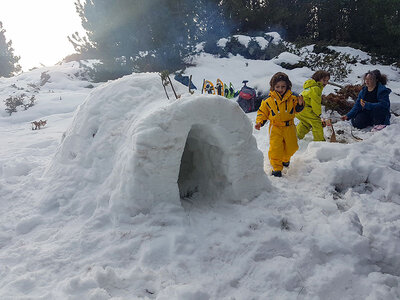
(38, 124)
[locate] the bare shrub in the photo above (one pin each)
(339, 101)
(13, 102)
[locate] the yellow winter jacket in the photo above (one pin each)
(312, 99)
(279, 110)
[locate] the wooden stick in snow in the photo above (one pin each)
(333, 135)
(163, 84)
(190, 82)
(170, 82)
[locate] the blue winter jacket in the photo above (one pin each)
(383, 102)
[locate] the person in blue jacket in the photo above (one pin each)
(372, 106)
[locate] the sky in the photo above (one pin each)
(39, 29)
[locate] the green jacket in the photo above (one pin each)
(312, 99)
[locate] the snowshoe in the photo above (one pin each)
(208, 87)
(219, 87)
(229, 91)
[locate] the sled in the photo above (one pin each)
(187, 81)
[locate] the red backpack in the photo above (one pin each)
(247, 96)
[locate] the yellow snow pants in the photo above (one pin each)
(282, 144)
(306, 124)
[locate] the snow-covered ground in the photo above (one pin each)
(328, 229)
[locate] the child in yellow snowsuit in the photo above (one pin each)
(279, 108)
(310, 117)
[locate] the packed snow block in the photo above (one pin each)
(131, 149)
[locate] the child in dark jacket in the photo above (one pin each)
(372, 106)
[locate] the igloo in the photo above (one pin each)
(129, 149)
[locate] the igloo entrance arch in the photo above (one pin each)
(131, 149)
(204, 166)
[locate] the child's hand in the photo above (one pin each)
(257, 126)
(300, 100)
(344, 118)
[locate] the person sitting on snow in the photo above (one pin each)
(279, 109)
(310, 117)
(372, 106)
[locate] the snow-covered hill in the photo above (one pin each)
(328, 229)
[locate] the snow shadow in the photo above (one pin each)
(203, 167)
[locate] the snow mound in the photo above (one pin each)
(352, 52)
(287, 57)
(131, 150)
(263, 41)
(353, 166)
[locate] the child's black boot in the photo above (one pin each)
(286, 164)
(276, 173)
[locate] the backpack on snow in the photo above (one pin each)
(247, 97)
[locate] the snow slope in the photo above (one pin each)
(328, 229)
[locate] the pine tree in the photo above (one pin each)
(209, 23)
(136, 35)
(375, 24)
(8, 61)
